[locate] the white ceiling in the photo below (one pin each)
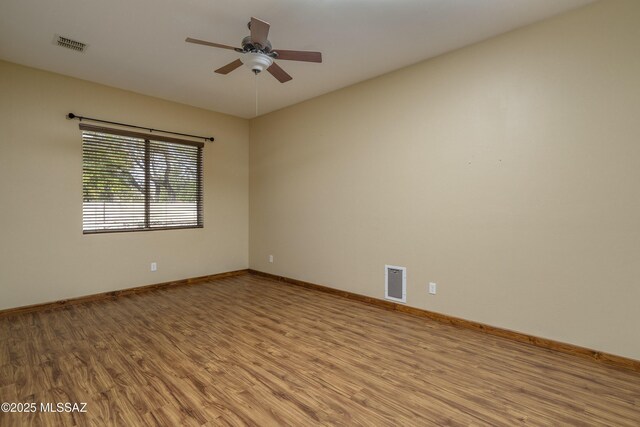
(139, 44)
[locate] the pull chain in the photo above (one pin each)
(256, 84)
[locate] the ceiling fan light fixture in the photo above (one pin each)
(256, 61)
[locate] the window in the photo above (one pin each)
(133, 182)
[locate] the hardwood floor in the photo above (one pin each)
(247, 350)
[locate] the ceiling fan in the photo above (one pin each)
(258, 54)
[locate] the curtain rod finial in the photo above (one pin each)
(71, 116)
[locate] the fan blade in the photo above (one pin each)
(299, 55)
(279, 73)
(259, 31)
(229, 67)
(196, 41)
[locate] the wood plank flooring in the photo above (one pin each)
(249, 351)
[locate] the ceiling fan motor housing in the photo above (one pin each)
(249, 46)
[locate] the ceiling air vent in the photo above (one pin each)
(70, 43)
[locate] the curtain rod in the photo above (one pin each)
(72, 116)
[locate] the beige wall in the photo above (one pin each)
(508, 172)
(43, 255)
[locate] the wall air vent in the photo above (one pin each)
(395, 283)
(69, 43)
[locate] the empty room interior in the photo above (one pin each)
(375, 213)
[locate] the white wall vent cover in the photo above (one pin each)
(395, 283)
(69, 43)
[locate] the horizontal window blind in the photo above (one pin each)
(132, 182)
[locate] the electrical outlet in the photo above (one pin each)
(154, 266)
(432, 288)
(271, 258)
